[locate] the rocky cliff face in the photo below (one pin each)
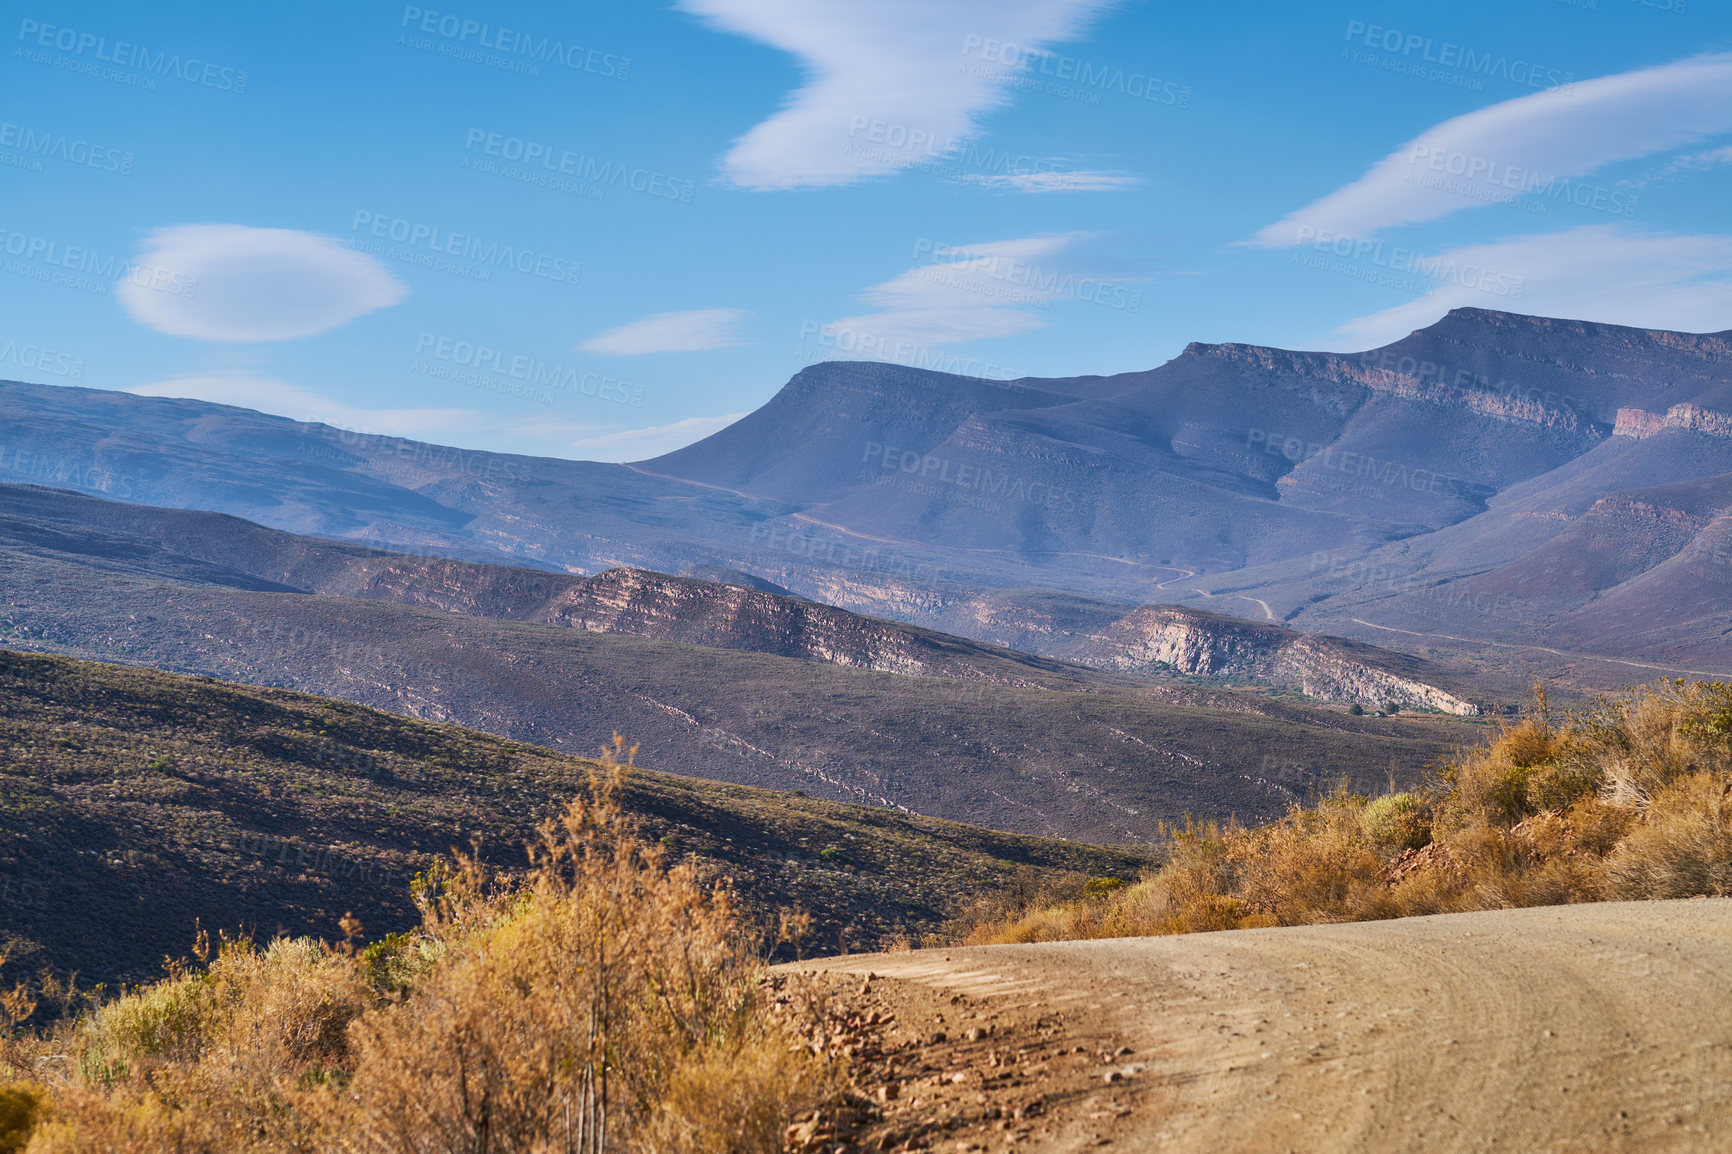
(1158, 637)
(1409, 378)
(1641, 424)
(727, 616)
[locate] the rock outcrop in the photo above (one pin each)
(1640, 424)
(1159, 638)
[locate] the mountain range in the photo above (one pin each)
(1543, 495)
(715, 680)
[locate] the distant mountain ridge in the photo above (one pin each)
(808, 697)
(223, 550)
(1327, 489)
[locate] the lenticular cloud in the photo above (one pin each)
(228, 282)
(891, 84)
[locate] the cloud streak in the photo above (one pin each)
(886, 83)
(546, 435)
(977, 292)
(1604, 273)
(682, 332)
(1500, 153)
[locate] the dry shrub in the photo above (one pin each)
(563, 1010)
(602, 1001)
(1660, 734)
(83, 1120)
(1682, 846)
(1630, 799)
(21, 1108)
(734, 1100)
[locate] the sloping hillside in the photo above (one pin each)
(137, 806)
(1016, 743)
(217, 549)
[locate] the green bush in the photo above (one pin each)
(1396, 822)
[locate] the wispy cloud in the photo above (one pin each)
(1684, 165)
(887, 84)
(545, 435)
(1081, 180)
(280, 398)
(642, 444)
(228, 282)
(685, 332)
(977, 292)
(1602, 273)
(1504, 151)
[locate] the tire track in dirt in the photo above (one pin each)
(1604, 1027)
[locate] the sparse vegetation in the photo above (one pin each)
(262, 825)
(1630, 799)
(605, 999)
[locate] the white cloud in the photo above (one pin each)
(1082, 180)
(542, 435)
(1685, 164)
(978, 292)
(642, 444)
(887, 82)
(1496, 154)
(686, 332)
(249, 391)
(1597, 273)
(228, 282)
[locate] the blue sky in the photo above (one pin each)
(600, 231)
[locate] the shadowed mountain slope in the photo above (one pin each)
(137, 807)
(960, 730)
(216, 549)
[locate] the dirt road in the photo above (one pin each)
(1581, 1028)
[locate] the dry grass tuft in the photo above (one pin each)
(603, 1001)
(1632, 799)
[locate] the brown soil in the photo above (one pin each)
(1584, 1028)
